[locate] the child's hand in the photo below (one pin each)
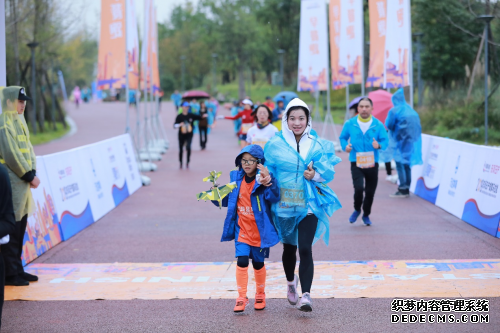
(264, 172)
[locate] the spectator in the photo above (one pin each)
(7, 224)
(16, 153)
(404, 127)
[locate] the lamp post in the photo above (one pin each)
(214, 69)
(33, 85)
(486, 19)
(183, 60)
(281, 53)
(419, 72)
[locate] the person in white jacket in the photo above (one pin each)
(262, 131)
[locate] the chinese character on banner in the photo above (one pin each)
(401, 2)
(351, 14)
(116, 11)
(337, 40)
(314, 35)
(381, 28)
(336, 25)
(115, 30)
(336, 12)
(381, 9)
(350, 31)
(400, 14)
(314, 48)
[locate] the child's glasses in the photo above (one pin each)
(249, 162)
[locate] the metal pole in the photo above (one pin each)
(347, 99)
(183, 68)
(281, 53)
(362, 55)
(486, 19)
(486, 83)
(127, 88)
(214, 68)
(419, 71)
(410, 54)
(33, 85)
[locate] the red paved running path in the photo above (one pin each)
(165, 223)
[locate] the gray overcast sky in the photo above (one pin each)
(91, 15)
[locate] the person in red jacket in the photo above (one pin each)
(247, 120)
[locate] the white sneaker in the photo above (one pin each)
(394, 179)
(388, 178)
(292, 294)
(305, 303)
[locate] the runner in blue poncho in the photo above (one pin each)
(404, 128)
(303, 165)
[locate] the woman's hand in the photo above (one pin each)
(265, 177)
(266, 181)
(309, 173)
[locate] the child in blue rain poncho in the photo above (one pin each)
(404, 128)
(303, 164)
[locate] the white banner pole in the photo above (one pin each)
(3, 63)
(410, 52)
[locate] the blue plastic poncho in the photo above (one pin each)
(404, 127)
(237, 123)
(299, 195)
(387, 154)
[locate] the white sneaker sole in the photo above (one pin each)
(296, 293)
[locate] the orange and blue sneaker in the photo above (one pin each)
(241, 303)
(260, 301)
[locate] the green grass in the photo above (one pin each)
(49, 134)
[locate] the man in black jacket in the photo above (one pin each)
(7, 224)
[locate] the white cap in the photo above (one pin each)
(247, 101)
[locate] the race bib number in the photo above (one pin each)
(292, 197)
(245, 128)
(365, 160)
(259, 141)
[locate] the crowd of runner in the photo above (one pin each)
(282, 173)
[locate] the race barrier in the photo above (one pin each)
(462, 179)
(77, 188)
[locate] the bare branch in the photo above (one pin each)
(467, 31)
(470, 9)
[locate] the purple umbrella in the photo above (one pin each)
(355, 102)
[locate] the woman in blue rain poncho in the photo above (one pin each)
(302, 163)
(404, 128)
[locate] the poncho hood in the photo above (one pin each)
(305, 141)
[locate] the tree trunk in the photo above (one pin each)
(17, 79)
(53, 103)
(241, 80)
(41, 104)
(61, 113)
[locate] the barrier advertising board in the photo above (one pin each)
(42, 231)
